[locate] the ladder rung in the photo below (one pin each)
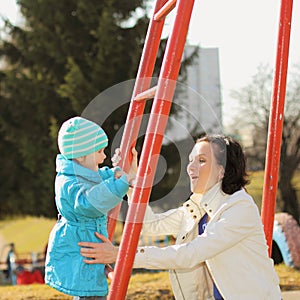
(148, 94)
(163, 12)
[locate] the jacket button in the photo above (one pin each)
(187, 205)
(194, 216)
(183, 237)
(205, 204)
(191, 210)
(142, 250)
(210, 210)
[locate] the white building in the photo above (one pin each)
(199, 97)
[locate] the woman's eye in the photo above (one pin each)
(201, 160)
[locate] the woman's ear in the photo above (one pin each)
(221, 173)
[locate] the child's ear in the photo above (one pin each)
(80, 159)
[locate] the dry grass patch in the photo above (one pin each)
(289, 277)
(142, 286)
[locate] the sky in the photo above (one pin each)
(245, 32)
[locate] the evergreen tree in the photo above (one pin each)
(63, 55)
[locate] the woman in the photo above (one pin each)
(220, 250)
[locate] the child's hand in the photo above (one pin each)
(133, 167)
(118, 174)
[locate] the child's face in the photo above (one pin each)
(92, 160)
(100, 156)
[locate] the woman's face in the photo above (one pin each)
(203, 170)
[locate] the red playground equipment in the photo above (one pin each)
(155, 130)
(163, 95)
(276, 120)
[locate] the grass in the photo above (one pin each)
(32, 292)
(30, 234)
(289, 277)
(142, 286)
(256, 186)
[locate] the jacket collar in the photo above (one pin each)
(211, 200)
(70, 167)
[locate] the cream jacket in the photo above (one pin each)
(232, 251)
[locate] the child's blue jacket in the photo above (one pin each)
(83, 198)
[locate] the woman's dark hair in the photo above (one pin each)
(229, 154)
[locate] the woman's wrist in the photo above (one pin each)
(131, 182)
(116, 252)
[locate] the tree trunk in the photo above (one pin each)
(288, 195)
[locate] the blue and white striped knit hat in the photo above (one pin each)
(79, 137)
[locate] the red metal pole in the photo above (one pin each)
(165, 10)
(276, 121)
(151, 149)
(136, 108)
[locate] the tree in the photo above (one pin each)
(54, 64)
(254, 110)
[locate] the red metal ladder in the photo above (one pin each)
(163, 95)
(276, 120)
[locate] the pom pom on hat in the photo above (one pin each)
(78, 137)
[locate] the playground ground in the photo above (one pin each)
(291, 295)
(290, 280)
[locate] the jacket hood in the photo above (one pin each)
(70, 167)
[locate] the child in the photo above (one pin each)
(84, 194)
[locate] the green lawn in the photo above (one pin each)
(256, 186)
(29, 234)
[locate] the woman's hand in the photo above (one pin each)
(99, 253)
(133, 167)
(116, 157)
